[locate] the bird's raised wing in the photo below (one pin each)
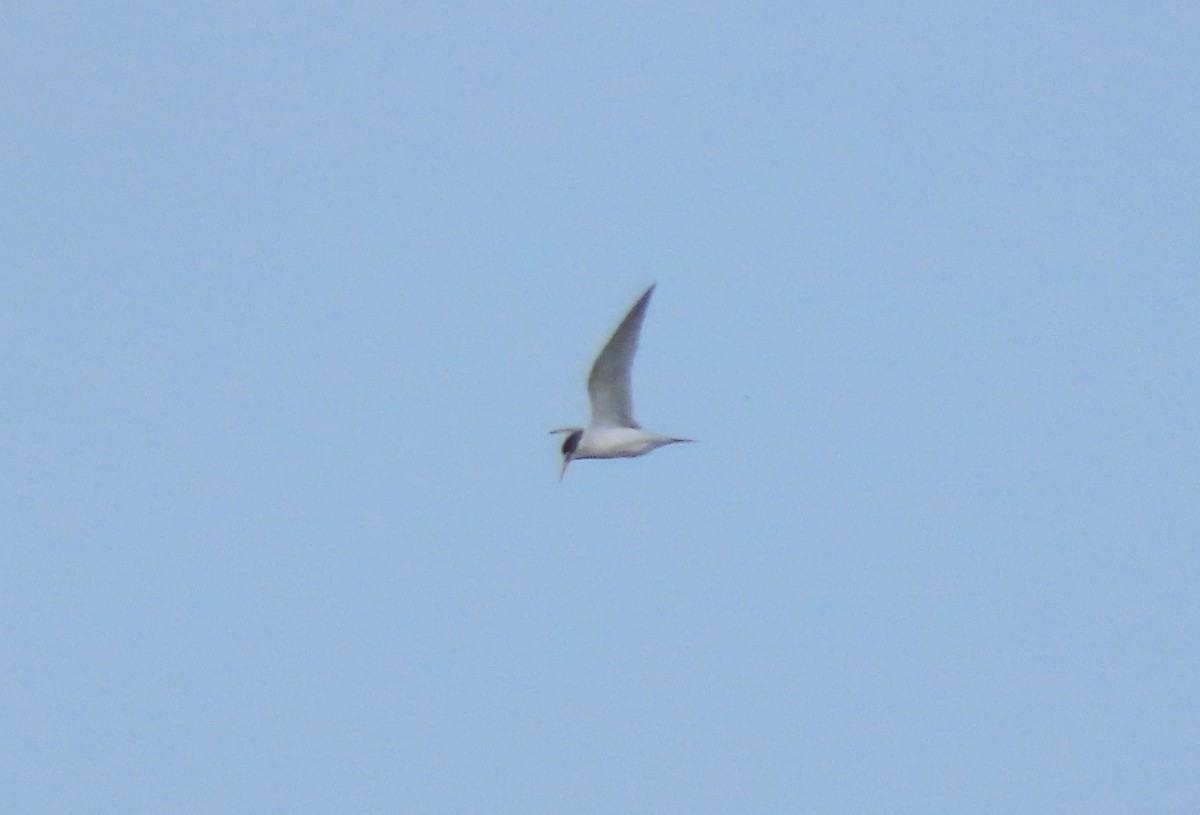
(608, 383)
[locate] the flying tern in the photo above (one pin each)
(613, 433)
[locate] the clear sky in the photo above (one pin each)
(291, 294)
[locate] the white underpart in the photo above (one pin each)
(618, 442)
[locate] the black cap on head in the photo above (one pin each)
(571, 442)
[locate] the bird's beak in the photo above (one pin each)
(563, 471)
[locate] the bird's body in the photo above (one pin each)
(618, 442)
(613, 433)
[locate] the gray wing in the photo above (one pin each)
(608, 383)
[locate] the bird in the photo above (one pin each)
(613, 433)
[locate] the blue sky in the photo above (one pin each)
(292, 294)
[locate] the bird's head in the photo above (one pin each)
(569, 445)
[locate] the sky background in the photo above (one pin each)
(291, 293)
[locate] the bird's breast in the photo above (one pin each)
(616, 442)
